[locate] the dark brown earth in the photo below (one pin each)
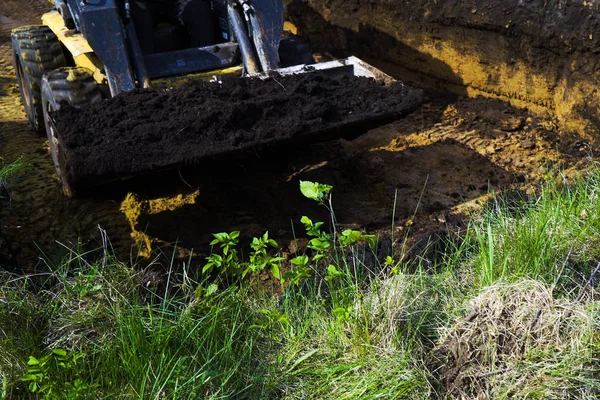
(440, 163)
(149, 130)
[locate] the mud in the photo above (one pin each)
(149, 130)
(429, 170)
(537, 54)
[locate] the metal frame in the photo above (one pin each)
(105, 41)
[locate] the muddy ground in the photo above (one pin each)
(441, 160)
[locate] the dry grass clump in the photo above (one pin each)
(518, 341)
(408, 306)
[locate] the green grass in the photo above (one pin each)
(552, 237)
(502, 314)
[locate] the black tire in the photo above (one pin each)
(293, 50)
(65, 86)
(36, 50)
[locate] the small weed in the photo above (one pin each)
(55, 376)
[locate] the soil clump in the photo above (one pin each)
(148, 130)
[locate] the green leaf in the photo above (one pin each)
(371, 240)
(323, 188)
(33, 361)
(340, 311)
(306, 221)
(318, 257)
(316, 242)
(300, 261)
(350, 237)
(309, 190)
(219, 237)
(275, 271)
(234, 235)
(60, 352)
(29, 377)
(333, 271)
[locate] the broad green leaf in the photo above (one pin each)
(332, 270)
(221, 236)
(33, 361)
(309, 190)
(60, 352)
(306, 221)
(300, 260)
(275, 270)
(371, 240)
(29, 377)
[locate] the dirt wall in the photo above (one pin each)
(539, 54)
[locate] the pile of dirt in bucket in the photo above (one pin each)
(147, 130)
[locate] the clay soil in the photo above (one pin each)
(440, 162)
(149, 130)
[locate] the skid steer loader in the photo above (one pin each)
(88, 50)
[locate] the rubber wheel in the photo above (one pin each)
(65, 86)
(293, 50)
(36, 50)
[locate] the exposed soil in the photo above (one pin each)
(149, 130)
(442, 160)
(538, 54)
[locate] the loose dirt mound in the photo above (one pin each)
(148, 130)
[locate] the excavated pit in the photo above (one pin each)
(150, 130)
(537, 54)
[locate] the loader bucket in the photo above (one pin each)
(156, 129)
(351, 66)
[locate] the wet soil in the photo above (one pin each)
(149, 130)
(421, 175)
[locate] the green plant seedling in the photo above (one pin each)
(229, 260)
(300, 269)
(54, 376)
(260, 259)
(332, 273)
(315, 191)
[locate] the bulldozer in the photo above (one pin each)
(89, 50)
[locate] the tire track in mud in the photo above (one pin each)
(37, 215)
